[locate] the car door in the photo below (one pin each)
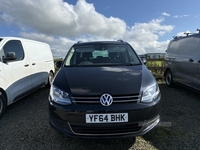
(17, 72)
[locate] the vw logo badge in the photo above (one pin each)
(106, 99)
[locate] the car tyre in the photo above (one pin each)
(169, 79)
(50, 79)
(2, 104)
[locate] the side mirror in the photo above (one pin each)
(144, 61)
(59, 63)
(9, 56)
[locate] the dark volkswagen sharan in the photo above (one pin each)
(102, 90)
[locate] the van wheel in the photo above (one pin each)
(50, 79)
(2, 104)
(169, 79)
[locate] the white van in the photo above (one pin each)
(25, 65)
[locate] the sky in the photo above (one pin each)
(147, 25)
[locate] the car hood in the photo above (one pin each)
(93, 81)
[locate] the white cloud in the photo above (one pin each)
(7, 18)
(59, 18)
(180, 16)
(144, 36)
(176, 16)
(185, 15)
(61, 24)
(165, 14)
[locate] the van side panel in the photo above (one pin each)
(197, 67)
(41, 61)
(16, 72)
(171, 57)
(49, 59)
(181, 59)
(3, 81)
(185, 60)
(26, 66)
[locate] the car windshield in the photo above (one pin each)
(101, 55)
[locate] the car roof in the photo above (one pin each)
(119, 42)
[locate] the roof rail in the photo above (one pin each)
(175, 37)
(79, 42)
(187, 33)
(198, 30)
(120, 40)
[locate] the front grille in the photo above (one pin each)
(103, 129)
(134, 98)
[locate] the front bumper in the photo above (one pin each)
(70, 120)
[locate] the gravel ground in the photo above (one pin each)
(25, 126)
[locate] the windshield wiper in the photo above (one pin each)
(131, 64)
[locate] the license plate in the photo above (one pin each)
(107, 118)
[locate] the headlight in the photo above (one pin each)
(150, 93)
(59, 96)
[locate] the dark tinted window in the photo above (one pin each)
(173, 47)
(188, 45)
(14, 46)
(101, 54)
(184, 46)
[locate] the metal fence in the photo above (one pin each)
(157, 67)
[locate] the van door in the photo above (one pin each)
(2, 72)
(197, 68)
(185, 60)
(17, 72)
(2, 75)
(38, 66)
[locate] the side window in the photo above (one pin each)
(188, 46)
(71, 57)
(173, 47)
(14, 46)
(184, 46)
(132, 56)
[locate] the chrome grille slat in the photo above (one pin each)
(85, 101)
(126, 96)
(122, 101)
(95, 99)
(85, 97)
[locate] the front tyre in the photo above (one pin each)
(169, 79)
(2, 104)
